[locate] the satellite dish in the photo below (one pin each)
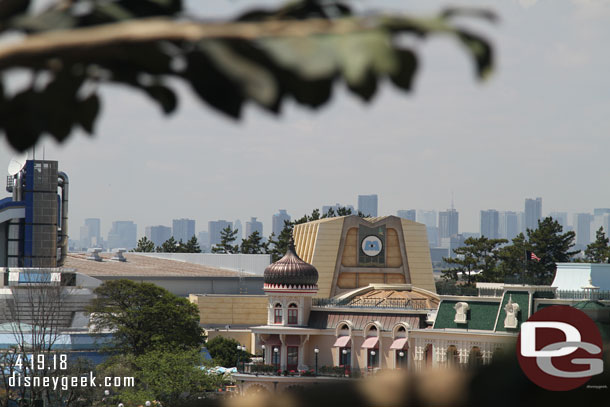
(17, 163)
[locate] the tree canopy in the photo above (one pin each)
(145, 317)
(494, 260)
(224, 351)
(264, 56)
(599, 250)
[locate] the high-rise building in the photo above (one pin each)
(406, 214)
(214, 229)
(448, 222)
(158, 234)
(254, 226)
(561, 218)
(508, 226)
(367, 204)
(183, 229)
(533, 212)
(600, 216)
(490, 220)
(123, 234)
(335, 208)
(240, 231)
(582, 228)
(203, 238)
(90, 235)
(426, 217)
(433, 239)
(278, 222)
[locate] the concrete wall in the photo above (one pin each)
(221, 310)
(248, 263)
(184, 286)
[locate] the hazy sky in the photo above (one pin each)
(538, 127)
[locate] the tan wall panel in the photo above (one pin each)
(418, 255)
(365, 279)
(395, 279)
(393, 257)
(347, 280)
(326, 357)
(239, 310)
(350, 250)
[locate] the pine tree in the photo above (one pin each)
(253, 244)
(169, 246)
(478, 255)
(144, 246)
(227, 237)
(192, 246)
(551, 246)
(598, 251)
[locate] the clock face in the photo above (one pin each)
(371, 246)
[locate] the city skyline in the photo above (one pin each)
(493, 144)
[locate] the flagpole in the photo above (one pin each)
(524, 266)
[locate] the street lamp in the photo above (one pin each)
(238, 355)
(276, 350)
(263, 348)
(316, 351)
(120, 405)
(402, 355)
(106, 394)
(147, 404)
(373, 353)
(344, 351)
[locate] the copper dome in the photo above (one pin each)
(290, 270)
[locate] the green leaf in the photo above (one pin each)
(480, 50)
(405, 71)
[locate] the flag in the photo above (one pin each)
(532, 256)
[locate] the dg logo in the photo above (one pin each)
(559, 348)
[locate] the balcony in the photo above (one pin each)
(377, 303)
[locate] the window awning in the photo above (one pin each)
(342, 341)
(293, 340)
(399, 343)
(370, 342)
(273, 340)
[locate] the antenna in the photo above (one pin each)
(17, 163)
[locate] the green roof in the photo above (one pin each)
(520, 297)
(481, 315)
(589, 305)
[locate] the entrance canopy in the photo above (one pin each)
(399, 343)
(342, 341)
(370, 342)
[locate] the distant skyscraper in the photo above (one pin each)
(533, 212)
(336, 207)
(204, 239)
(561, 218)
(408, 214)
(367, 204)
(508, 226)
(600, 216)
(448, 222)
(158, 234)
(278, 222)
(90, 235)
(253, 226)
(240, 231)
(123, 234)
(489, 223)
(214, 229)
(433, 239)
(183, 229)
(428, 218)
(582, 227)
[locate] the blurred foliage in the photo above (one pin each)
(224, 352)
(298, 51)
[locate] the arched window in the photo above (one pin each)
(475, 358)
(277, 313)
(293, 314)
(452, 356)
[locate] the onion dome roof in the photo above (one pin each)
(291, 271)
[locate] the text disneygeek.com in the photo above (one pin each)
(67, 382)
